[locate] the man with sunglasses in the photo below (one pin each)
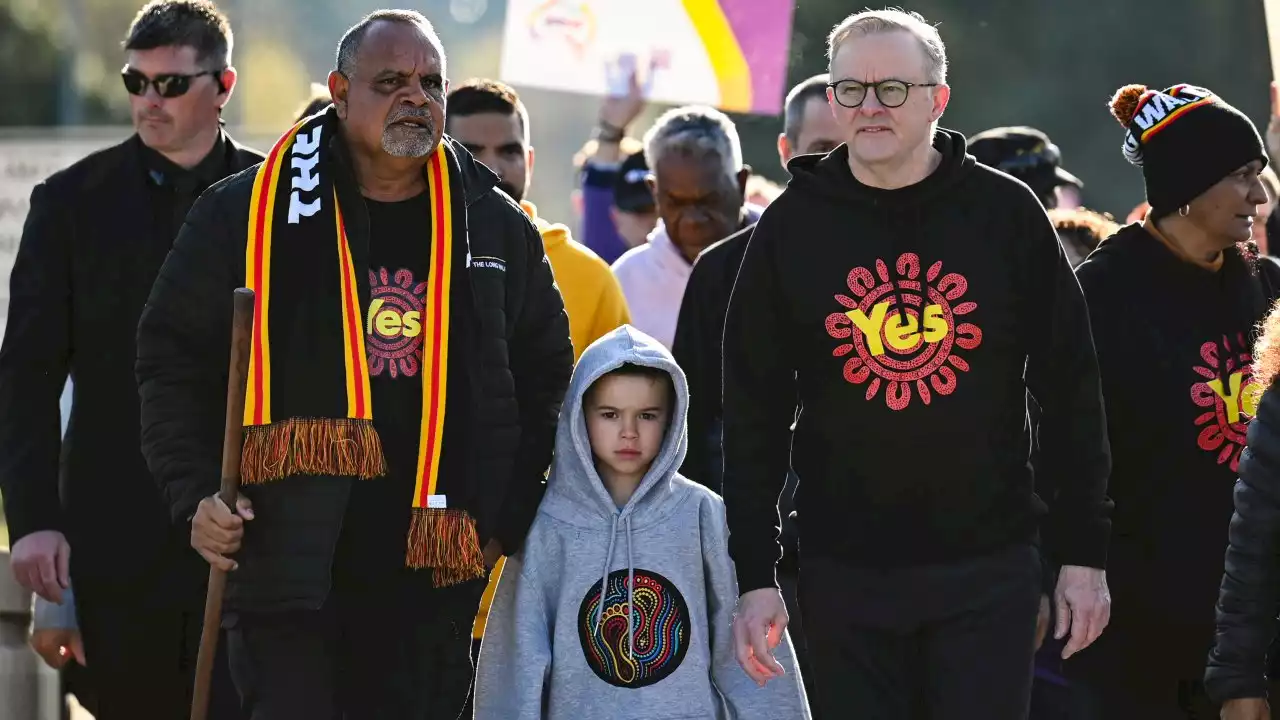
(86, 511)
(910, 298)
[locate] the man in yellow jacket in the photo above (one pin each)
(489, 119)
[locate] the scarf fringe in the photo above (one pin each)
(311, 446)
(445, 541)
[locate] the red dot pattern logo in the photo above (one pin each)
(909, 350)
(393, 325)
(1228, 398)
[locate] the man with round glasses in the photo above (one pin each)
(910, 299)
(84, 511)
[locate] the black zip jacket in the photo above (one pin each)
(1250, 594)
(911, 324)
(520, 358)
(94, 239)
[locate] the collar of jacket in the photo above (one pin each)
(477, 181)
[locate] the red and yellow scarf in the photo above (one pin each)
(306, 412)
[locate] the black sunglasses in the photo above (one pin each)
(890, 93)
(167, 86)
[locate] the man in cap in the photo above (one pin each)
(1030, 156)
(633, 213)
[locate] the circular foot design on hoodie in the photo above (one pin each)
(655, 643)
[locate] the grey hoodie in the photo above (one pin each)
(552, 650)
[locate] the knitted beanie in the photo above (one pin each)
(1185, 139)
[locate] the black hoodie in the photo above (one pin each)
(912, 447)
(1173, 341)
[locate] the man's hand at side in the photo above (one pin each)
(57, 645)
(1084, 606)
(41, 563)
(216, 532)
(757, 629)
(1246, 709)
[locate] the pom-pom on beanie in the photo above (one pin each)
(1185, 139)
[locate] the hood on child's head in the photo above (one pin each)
(573, 472)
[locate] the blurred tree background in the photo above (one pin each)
(1048, 63)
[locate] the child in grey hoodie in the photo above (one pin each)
(619, 529)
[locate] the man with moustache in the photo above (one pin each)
(84, 511)
(409, 356)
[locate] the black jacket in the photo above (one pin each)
(89, 254)
(696, 349)
(911, 324)
(1250, 594)
(520, 361)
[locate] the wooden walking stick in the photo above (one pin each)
(232, 441)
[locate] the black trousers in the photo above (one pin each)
(364, 655)
(141, 637)
(945, 642)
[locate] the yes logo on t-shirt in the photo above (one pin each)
(1229, 397)
(909, 348)
(393, 325)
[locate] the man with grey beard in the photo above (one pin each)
(410, 353)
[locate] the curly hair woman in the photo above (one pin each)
(1250, 594)
(1173, 301)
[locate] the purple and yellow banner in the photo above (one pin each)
(731, 54)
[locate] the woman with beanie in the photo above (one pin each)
(1173, 301)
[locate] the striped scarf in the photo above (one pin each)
(307, 412)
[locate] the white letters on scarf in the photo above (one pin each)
(303, 160)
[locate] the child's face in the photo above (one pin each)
(626, 421)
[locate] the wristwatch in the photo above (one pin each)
(607, 133)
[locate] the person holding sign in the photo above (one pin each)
(409, 357)
(1173, 300)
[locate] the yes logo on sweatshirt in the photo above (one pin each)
(910, 349)
(647, 649)
(393, 323)
(1228, 396)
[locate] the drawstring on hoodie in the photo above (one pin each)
(631, 592)
(604, 576)
(890, 220)
(631, 583)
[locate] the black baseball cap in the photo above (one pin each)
(631, 192)
(1025, 153)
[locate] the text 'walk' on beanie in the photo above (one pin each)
(1185, 139)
